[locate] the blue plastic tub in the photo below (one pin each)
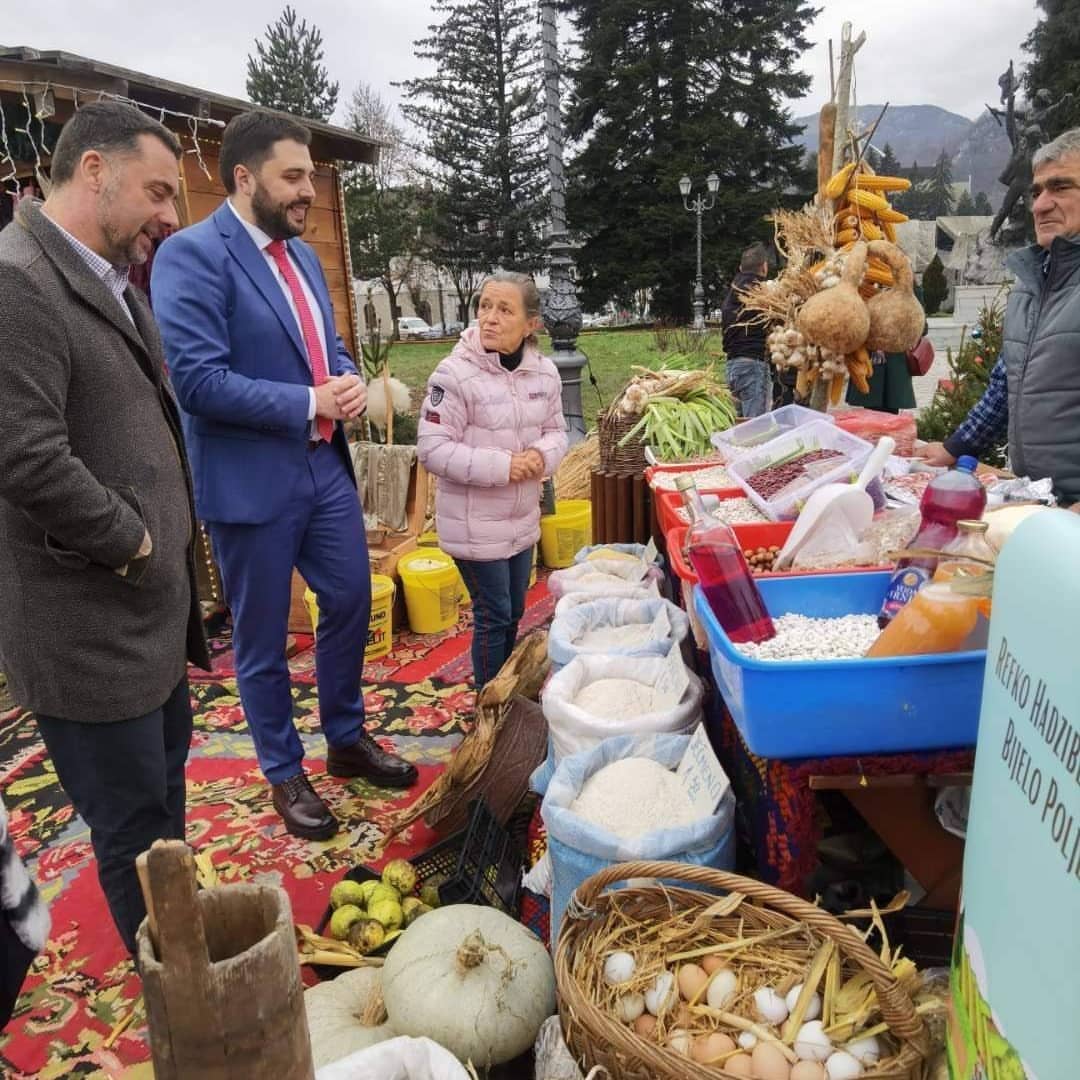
(812, 708)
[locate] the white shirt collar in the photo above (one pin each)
(258, 237)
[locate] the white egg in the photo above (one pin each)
(867, 1051)
(813, 1010)
(629, 1007)
(770, 1005)
(747, 1040)
(721, 988)
(842, 1066)
(662, 995)
(619, 967)
(811, 1043)
(682, 1042)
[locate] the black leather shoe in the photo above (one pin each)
(367, 759)
(304, 813)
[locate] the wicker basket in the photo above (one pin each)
(596, 1038)
(628, 460)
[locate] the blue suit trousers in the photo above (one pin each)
(321, 533)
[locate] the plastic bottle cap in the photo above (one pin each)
(967, 463)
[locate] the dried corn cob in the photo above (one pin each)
(877, 203)
(847, 236)
(889, 229)
(870, 231)
(887, 213)
(839, 181)
(882, 183)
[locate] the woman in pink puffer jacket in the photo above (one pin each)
(491, 428)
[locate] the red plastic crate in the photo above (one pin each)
(667, 504)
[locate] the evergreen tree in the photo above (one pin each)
(939, 201)
(287, 72)
(965, 205)
(480, 116)
(1054, 45)
(983, 206)
(663, 88)
(969, 375)
(889, 165)
(934, 286)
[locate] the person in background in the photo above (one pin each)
(748, 370)
(98, 602)
(24, 922)
(264, 382)
(1033, 396)
(890, 383)
(491, 428)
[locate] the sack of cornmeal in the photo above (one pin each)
(605, 627)
(622, 802)
(595, 552)
(596, 697)
(607, 577)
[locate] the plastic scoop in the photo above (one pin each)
(846, 507)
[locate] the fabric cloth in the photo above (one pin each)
(740, 337)
(498, 589)
(890, 387)
(91, 459)
(256, 564)
(988, 421)
(475, 415)
(316, 350)
(126, 780)
(269, 501)
(750, 383)
(239, 366)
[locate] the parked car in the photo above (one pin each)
(446, 329)
(411, 328)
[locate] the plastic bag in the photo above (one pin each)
(645, 590)
(572, 729)
(567, 630)
(578, 848)
(870, 425)
(1021, 489)
(552, 1057)
(401, 1058)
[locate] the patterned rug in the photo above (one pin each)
(80, 994)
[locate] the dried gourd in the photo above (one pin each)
(896, 316)
(837, 318)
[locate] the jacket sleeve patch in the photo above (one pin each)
(436, 394)
(432, 416)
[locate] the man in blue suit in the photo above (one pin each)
(264, 382)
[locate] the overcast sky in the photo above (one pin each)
(936, 52)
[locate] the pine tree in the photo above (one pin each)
(1054, 45)
(663, 88)
(965, 205)
(889, 165)
(939, 196)
(480, 115)
(983, 206)
(287, 72)
(969, 375)
(934, 286)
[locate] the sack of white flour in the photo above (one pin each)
(628, 627)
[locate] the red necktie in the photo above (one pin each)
(276, 250)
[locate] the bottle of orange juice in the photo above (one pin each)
(934, 620)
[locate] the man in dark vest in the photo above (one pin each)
(99, 612)
(1034, 391)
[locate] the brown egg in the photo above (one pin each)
(739, 1065)
(711, 963)
(769, 1063)
(645, 1025)
(808, 1070)
(691, 980)
(711, 1046)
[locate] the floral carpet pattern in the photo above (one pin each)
(81, 1013)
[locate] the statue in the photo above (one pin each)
(1026, 129)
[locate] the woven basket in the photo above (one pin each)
(596, 1038)
(628, 460)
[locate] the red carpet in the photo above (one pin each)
(418, 703)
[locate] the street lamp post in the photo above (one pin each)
(699, 206)
(562, 312)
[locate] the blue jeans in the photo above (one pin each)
(498, 589)
(750, 383)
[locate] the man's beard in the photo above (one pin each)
(124, 248)
(273, 218)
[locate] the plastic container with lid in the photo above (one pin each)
(751, 434)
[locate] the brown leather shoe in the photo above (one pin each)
(303, 811)
(367, 759)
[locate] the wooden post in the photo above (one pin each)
(611, 508)
(596, 496)
(221, 978)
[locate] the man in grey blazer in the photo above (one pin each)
(99, 612)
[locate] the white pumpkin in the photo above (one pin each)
(473, 980)
(335, 1011)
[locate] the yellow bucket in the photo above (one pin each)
(432, 587)
(381, 621)
(564, 533)
(431, 539)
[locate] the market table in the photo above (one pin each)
(777, 819)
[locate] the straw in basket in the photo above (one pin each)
(769, 936)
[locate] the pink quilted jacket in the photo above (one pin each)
(475, 414)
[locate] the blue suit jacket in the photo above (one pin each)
(239, 367)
